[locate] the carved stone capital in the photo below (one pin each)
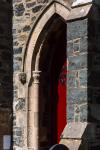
(36, 76)
(22, 77)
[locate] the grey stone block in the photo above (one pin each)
(77, 62)
(83, 78)
(77, 29)
(84, 113)
(77, 95)
(19, 9)
(71, 79)
(70, 112)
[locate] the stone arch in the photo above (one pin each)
(30, 66)
(30, 53)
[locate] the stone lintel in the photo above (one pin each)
(79, 12)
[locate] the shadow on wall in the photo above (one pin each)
(94, 75)
(94, 64)
(6, 72)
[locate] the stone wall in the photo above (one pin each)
(6, 69)
(77, 76)
(25, 15)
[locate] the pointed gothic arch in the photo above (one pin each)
(53, 8)
(31, 66)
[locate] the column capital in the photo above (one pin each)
(36, 76)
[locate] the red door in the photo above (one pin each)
(58, 101)
(61, 106)
(58, 85)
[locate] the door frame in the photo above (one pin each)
(31, 58)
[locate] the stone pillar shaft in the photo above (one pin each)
(34, 113)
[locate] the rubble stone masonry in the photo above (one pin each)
(25, 14)
(17, 19)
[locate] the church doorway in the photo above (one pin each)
(52, 91)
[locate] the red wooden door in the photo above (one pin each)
(58, 89)
(58, 101)
(61, 106)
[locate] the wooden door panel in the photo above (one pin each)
(61, 106)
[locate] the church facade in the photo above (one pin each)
(50, 68)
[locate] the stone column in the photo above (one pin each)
(33, 135)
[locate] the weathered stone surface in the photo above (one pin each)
(16, 66)
(20, 104)
(36, 8)
(79, 12)
(26, 28)
(71, 130)
(71, 79)
(80, 2)
(83, 78)
(77, 95)
(25, 14)
(77, 46)
(18, 50)
(79, 26)
(71, 144)
(70, 47)
(18, 141)
(70, 113)
(84, 113)
(77, 62)
(19, 9)
(28, 5)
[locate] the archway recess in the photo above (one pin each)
(31, 66)
(30, 52)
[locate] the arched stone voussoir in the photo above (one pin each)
(53, 8)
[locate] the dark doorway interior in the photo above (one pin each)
(53, 83)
